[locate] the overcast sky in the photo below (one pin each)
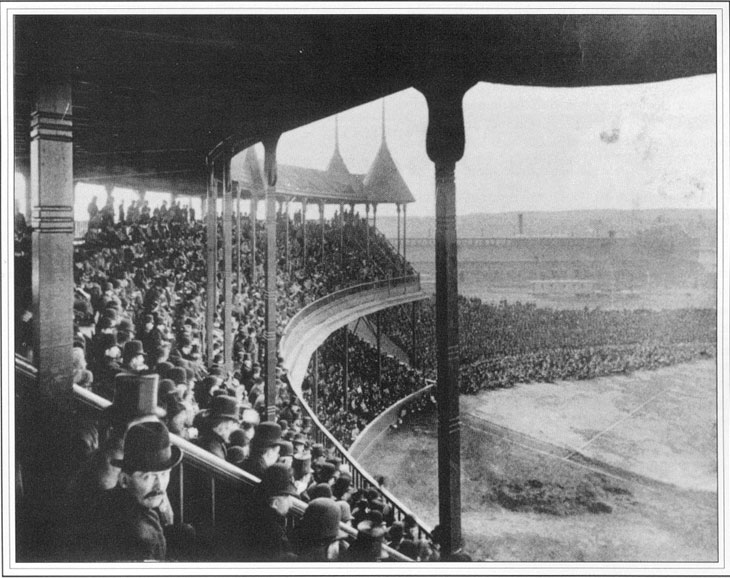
(622, 147)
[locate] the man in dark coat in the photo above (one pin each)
(222, 420)
(129, 523)
(265, 447)
(263, 534)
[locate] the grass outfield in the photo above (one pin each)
(522, 503)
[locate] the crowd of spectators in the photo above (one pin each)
(139, 318)
(509, 343)
(139, 334)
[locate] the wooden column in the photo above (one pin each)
(342, 227)
(346, 370)
(286, 240)
(414, 337)
(304, 232)
(367, 229)
(52, 194)
(375, 215)
(227, 268)
(404, 238)
(445, 146)
(398, 221)
(239, 281)
(212, 257)
(270, 291)
(254, 207)
(315, 385)
(321, 226)
(380, 358)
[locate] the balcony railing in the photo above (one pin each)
(221, 476)
(360, 477)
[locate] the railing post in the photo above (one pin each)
(212, 260)
(181, 491)
(227, 269)
(380, 359)
(253, 218)
(270, 292)
(346, 376)
(315, 390)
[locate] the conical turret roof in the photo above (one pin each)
(337, 169)
(383, 182)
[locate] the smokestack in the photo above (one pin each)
(519, 223)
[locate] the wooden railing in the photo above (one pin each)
(221, 475)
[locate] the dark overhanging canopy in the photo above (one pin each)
(154, 96)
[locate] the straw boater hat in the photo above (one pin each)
(147, 448)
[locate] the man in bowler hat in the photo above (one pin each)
(128, 525)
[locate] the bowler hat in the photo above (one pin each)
(321, 521)
(325, 472)
(224, 407)
(287, 449)
(177, 374)
(107, 341)
(300, 438)
(163, 368)
(147, 448)
(267, 434)
(132, 349)
(276, 481)
(320, 491)
(340, 486)
(237, 438)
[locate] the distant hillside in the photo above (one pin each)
(695, 222)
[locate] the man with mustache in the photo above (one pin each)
(129, 524)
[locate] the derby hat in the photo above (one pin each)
(224, 407)
(321, 521)
(147, 448)
(320, 491)
(267, 434)
(132, 349)
(276, 481)
(287, 449)
(177, 374)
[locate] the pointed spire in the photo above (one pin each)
(383, 182)
(337, 133)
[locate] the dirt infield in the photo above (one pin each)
(528, 497)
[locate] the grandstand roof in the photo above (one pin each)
(154, 95)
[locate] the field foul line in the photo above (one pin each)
(566, 459)
(613, 425)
